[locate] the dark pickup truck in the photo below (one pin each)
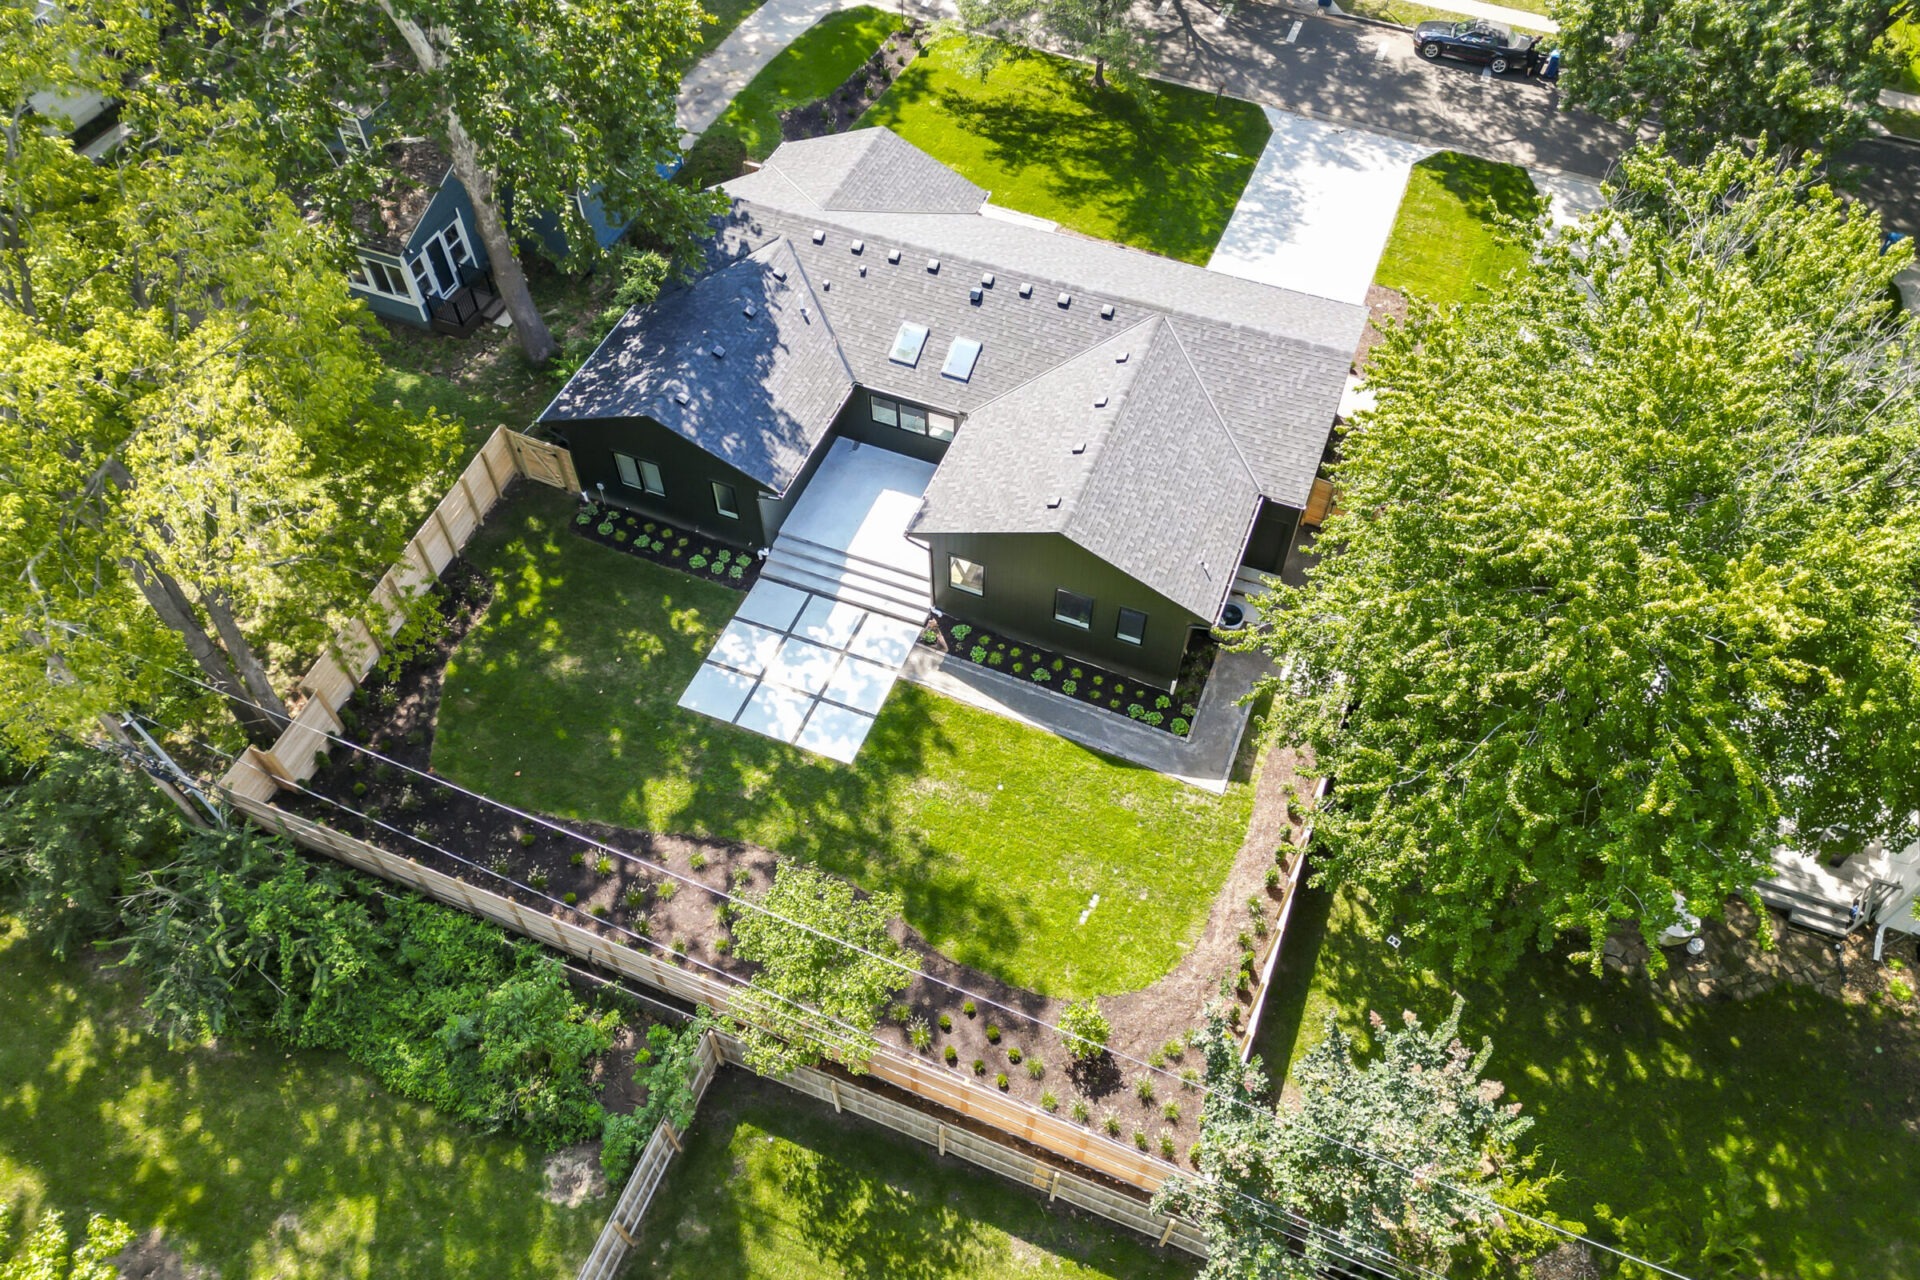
(1486, 43)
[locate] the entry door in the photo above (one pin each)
(446, 253)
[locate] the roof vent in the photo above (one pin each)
(1053, 503)
(863, 270)
(819, 237)
(1080, 448)
(1026, 291)
(893, 255)
(779, 273)
(749, 311)
(933, 266)
(858, 246)
(681, 397)
(908, 343)
(804, 314)
(826, 286)
(719, 352)
(1122, 357)
(986, 278)
(1106, 311)
(961, 357)
(974, 295)
(1101, 403)
(1065, 300)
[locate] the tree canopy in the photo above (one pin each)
(47, 1253)
(1102, 32)
(1806, 73)
(1625, 573)
(535, 104)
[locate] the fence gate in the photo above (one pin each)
(547, 463)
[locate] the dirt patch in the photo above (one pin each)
(1385, 307)
(572, 1176)
(839, 110)
(150, 1257)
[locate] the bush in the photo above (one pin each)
(599, 910)
(696, 561)
(1143, 1087)
(899, 1012)
(961, 631)
(967, 1008)
(1152, 719)
(946, 1022)
(577, 859)
(1078, 1107)
(537, 881)
(1036, 1068)
(1180, 726)
(1049, 1103)
(1140, 1139)
(665, 890)
(622, 1138)
(570, 897)
(1041, 675)
(635, 898)
(697, 860)
(1273, 877)
(1172, 1112)
(1086, 1028)
(1110, 1121)
(1014, 1055)
(1190, 1078)
(919, 1034)
(993, 1034)
(979, 1066)
(1000, 1082)
(951, 1054)
(1069, 688)
(1162, 702)
(1173, 1049)
(977, 654)
(1168, 1149)
(526, 839)
(604, 865)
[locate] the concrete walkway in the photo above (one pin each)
(1203, 759)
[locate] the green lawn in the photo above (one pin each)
(1444, 245)
(253, 1161)
(1643, 1102)
(808, 69)
(563, 700)
(1904, 36)
(1038, 136)
(776, 1187)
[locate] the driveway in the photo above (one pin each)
(1318, 209)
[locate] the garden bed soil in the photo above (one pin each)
(841, 109)
(674, 547)
(1096, 686)
(660, 893)
(1385, 308)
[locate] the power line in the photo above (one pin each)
(1482, 1202)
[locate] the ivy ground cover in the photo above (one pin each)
(998, 837)
(253, 1161)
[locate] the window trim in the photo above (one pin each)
(721, 507)
(1060, 593)
(646, 474)
(361, 277)
(956, 577)
(1120, 620)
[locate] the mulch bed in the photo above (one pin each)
(1385, 308)
(726, 563)
(661, 892)
(1150, 705)
(838, 111)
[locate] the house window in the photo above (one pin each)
(885, 412)
(941, 426)
(638, 473)
(1132, 626)
(965, 575)
(912, 419)
(449, 254)
(422, 276)
(381, 278)
(725, 501)
(1073, 609)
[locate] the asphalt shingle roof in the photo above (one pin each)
(873, 171)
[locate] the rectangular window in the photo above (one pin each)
(1132, 626)
(1073, 609)
(885, 411)
(965, 575)
(725, 501)
(638, 473)
(941, 426)
(912, 419)
(381, 278)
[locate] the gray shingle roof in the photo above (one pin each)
(763, 407)
(1120, 450)
(873, 170)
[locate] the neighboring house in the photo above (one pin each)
(1119, 437)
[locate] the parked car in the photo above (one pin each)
(1486, 43)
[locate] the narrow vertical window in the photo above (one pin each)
(1132, 626)
(725, 501)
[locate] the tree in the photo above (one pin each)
(49, 1254)
(190, 448)
(1103, 32)
(665, 1068)
(1807, 75)
(536, 104)
(1625, 574)
(827, 966)
(1400, 1155)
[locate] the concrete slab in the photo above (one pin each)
(861, 501)
(745, 647)
(776, 712)
(834, 732)
(1317, 211)
(1569, 197)
(887, 640)
(802, 665)
(717, 692)
(860, 684)
(829, 622)
(772, 604)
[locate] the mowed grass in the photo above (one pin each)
(997, 836)
(810, 68)
(776, 1187)
(1644, 1104)
(1445, 246)
(1044, 141)
(254, 1162)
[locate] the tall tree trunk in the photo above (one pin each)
(536, 340)
(240, 653)
(170, 603)
(1099, 73)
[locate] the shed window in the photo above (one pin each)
(965, 575)
(638, 473)
(1132, 626)
(885, 412)
(725, 500)
(381, 278)
(1073, 608)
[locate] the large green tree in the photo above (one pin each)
(535, 103)
(193, 464)
(1805, 73)
(1102, 32)
(1626, 573)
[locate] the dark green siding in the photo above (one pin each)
(686, 471)
(1272, 535)
(1022, 572)
(856, 423)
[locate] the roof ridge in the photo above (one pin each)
(778, 172)
(839, 349)
(1220, 419)
(1053, 369)
(1071, 503)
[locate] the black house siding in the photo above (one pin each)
(1272, 535)
(686, 471)
(1022, 572)
(856, 423)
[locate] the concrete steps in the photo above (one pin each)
(885, 589)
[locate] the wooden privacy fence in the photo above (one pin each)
(609, 1255)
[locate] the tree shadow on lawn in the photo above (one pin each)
(1650, 1103)
(1489, 191)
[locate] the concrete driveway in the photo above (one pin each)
(1318, 209)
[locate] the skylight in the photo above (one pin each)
(907, 344)
(960, 359)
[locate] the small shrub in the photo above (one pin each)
(1173, 1049)
(1014, 1055)
(1179, 726)
(409, 800)
(1115, 704)
(619, 535)
(1143, 1087)
(656, 546)
(1041, 675)
(697, 860)
(994, 659)
(1036, 1068)
(1152, 719)
(1188, 710)
(1049, 1103)
(993, 1034)
(422, 832)
(538, 880)
(1000, 1081)
(666, 890)
(373, 813)
(721, 557)
(635, 898)
(1069, 688)
(359, 788)
(1162, 702)
(919, 1034)
(1014, 651)
(1059, 664)
(1900, 989)
(961, 631)
(1017, 667)
(951, 1054)
(740, 877)
(1193, 1155)
(604, 865)
(1110, 1121)
(1140, 1139)
(696, 561)
(1078, 1107)
(1273, 877)
(1098, 679)
(569, 897)
(604, 528)
(1156, 1059)
(723, 944)
(577, 859)
(977, 654)
(900, 1013)
(1167, 1145)
(1086, 1028)
(1258, 911)
(598, 910)
(738, 571)
(526, 839)
(979, 1066)
(946, 1022)
(967, 1008)
(1190, 1078)
(680, 946)
(1172, 1112)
